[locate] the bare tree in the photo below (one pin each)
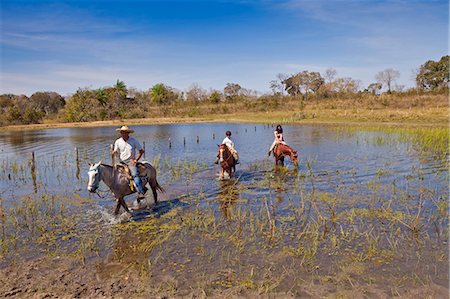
(346, 84)
(388, 77)
(276, 87)
(329, 75)
(196, 93)
(281, 77)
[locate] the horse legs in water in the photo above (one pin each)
(121, 202)
(155, 195)
(279, 161)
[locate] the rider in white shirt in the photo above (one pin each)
(130, 151)
(230, 144)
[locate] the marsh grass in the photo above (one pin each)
(48, 225)
(268, 231)
(334, 236)
(423, 140)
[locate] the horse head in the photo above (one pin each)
(94, 174)
(222, 148)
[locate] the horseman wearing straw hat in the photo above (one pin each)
(130, 151)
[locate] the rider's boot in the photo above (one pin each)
(141, 189)
(141, 195)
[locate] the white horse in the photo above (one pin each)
(119, 182)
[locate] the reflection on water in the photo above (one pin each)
(227, 196)
(332, 157)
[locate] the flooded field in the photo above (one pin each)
(365, 214)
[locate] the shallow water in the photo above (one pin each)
(334, 156)
(342, 172)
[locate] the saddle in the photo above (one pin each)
(124, 169)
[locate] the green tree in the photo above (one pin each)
(82, 106)
(433, 75)
(13, 115)
(120, 89)
(32, 116)
(215, 97)
(161, 94)
(47, 102)
(101, 96)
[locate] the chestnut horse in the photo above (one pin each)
(226, 159)
(282, 150)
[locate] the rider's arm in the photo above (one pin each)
(139, 154)
(116, 148)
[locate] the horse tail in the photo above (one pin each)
(160, 188)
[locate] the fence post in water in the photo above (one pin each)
(33, 172)
(255, 128)
(77, 164)
(198, 139)
(214, 136)
(170, 143)
(184, 141)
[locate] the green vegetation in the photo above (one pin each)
(306, 94)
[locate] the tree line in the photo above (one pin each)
(119, 101)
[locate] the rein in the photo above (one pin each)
(96, 184)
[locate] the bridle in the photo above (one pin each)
(96, 181)
(221, 151)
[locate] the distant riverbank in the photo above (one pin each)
(437, 116)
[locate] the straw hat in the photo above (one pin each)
(125, 129)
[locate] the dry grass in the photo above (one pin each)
(408, 109)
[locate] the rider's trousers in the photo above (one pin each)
(137, 180)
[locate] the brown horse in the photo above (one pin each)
(282, 150)
(226, 159)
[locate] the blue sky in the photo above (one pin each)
(65, 45)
